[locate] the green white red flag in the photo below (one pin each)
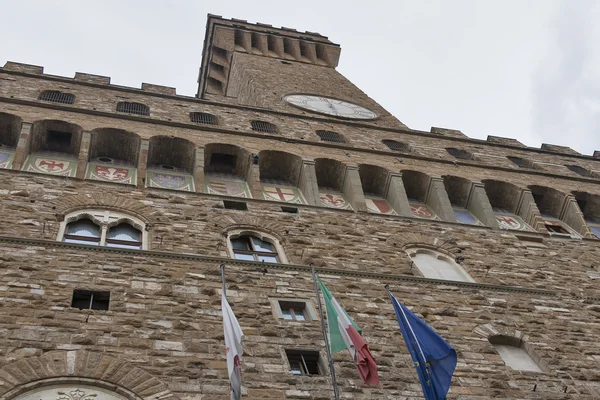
(345, 334)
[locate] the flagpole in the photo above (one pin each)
(223, 279)
(329, 357)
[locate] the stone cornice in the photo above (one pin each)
(267, 111)
(386, 278)
(208, 128)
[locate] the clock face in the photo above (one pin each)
(329, 106)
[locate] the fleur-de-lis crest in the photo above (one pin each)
(76, 394)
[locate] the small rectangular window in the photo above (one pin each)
(90, 300)
(304, 362)
(235, 205)
(291, 210)
(293, 310)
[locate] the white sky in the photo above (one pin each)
(527, 69)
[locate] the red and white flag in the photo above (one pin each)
(233, 348)
(345, 334)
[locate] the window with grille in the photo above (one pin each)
(264, 127)
(329, 136)
(203, 118)
(578, 170)
(304, 362)
(90, 300)
(396, 146)
(128, 107)
(461, 154)
(55, 96)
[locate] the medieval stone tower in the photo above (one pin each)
(119, 205)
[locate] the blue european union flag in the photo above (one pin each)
(434, 358)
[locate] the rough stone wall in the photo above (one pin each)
(164, 318)
(163, 329)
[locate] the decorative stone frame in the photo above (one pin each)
(500, 334)
(412, 251)
(308, 306)
(81, 367)
(235, 233)
(105, 219)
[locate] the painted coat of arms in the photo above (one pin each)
(379, 206)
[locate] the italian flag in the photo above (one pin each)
(345, 334)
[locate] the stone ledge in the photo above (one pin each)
(290, 267)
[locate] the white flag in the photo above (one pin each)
(233, 348)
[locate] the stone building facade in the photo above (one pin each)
(137, 196)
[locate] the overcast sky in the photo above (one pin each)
(523, 69)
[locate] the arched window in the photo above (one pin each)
(128, 107)
(83, 231)
(103, 228)
(438, 266)
(124, 236)
(253, 246)
(329, 136)
(54, 96)
(203, 118)
(513, 353)
(264, 127)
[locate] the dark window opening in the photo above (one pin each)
(90, 300)
(264, 127)
(552, 228)
(235, 205)
(518, 162)
(320, 49)
(303, 49)
(271, 43)
(329, 136)
(303, 362)
(578, 170)
(294, 310)
(223, 163)
(203, 118)
(291, 210)
(255, 40)
(460, 154)
(55, 96)
(582, 203)
(538, 198)
(58, 140)
(239, 38)
(133, 108)
(287, 46)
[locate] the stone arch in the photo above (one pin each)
(116, 144)
(10, 129)
(514, 207)
(222, 158)
(330, 173)
(503, 195)
(436, 264)
(458, 189)
(560, 212)
(416, 184)
(81, 367)
(589, 204)
(171, 151)
(279, 166)
(373, 179)
(56, 136)
(469, 202)
(230, 222)
(66, 205)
